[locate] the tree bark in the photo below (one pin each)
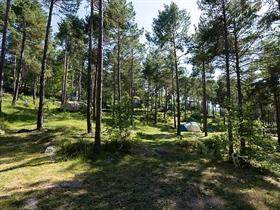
(131, 87)
(89, 73)
(97, 143)
(205, 112)
(156, 106)
(239, 91)
(3, 51)
(40, 117)
(228, 104)
(177, 89)
(19, 69)
(173, 102)
(80, 85)
(114, 93)
(34, 91)
(277, 108)
(166, 103)
(14, 74)
(65, 78)
(119, 70)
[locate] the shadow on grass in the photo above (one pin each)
(154, 183)
(20, 114)
(158, 137)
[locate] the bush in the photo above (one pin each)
(216, 145)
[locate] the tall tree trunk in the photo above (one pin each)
(228, 103)
(173, 101)
(14, 74)
(114, 93)
(239, 91)
(95, 76)
(80, 84)
(166, 103)
(205, 112)
(119, 70)
(277, 108)
(34, 89)
(177, 89)
(89, 73)
(3, 50)
(156, 105)
(19, 70)
(65, 78)
(131, 87)
(97, 144)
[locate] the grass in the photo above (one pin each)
(158, 173)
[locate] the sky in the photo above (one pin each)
(147, 10)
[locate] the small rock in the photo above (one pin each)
(31, 203)
(50, 150)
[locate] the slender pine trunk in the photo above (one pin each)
(228, 103)
(166, 103)
(114, 92)
(89, 73)
(119, 70)
(177, 89)
(173, 102)
(40, 117)
(34, 89)
(205, 112)
(19, 70)
(65, 78)
(156, 105)
(131, 87)
(277, 108)
(97, 143)
(14, 74)
(3, 50)
(80, 85)
(239, 91)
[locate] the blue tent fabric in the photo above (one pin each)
(183, 127)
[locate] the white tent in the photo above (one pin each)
(193, 127)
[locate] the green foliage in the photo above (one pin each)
(255, 134)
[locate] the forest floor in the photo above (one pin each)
(159, 172)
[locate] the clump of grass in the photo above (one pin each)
(80, 149)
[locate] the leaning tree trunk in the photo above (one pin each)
(40, 117)
(205, 112)
(97, 143)
(228, 104)
(89, 73)
(3, 50)
(19, 69)
(239, 91)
